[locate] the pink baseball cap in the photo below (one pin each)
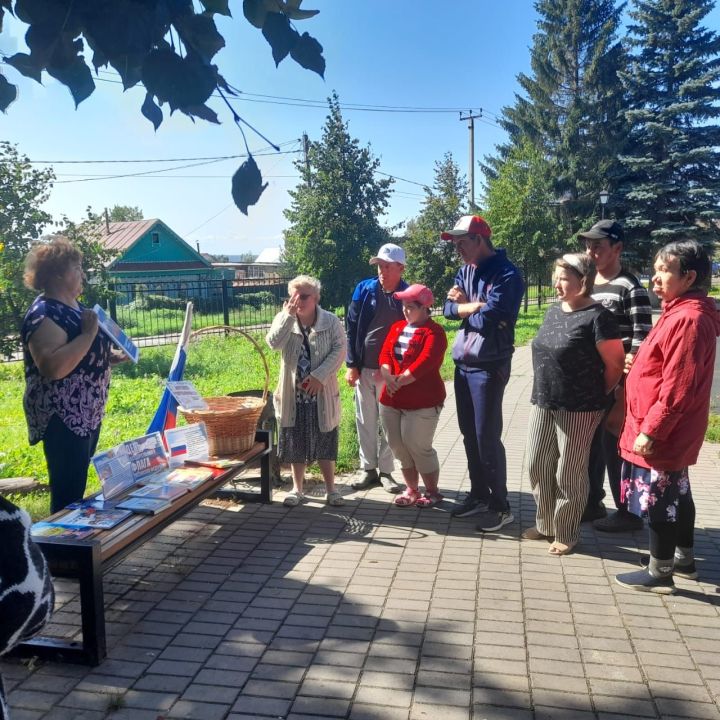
(468, 225)
(417, 293)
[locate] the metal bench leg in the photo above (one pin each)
(92, 605)
(266, 489)
(86, 560)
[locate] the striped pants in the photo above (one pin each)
(558, 448)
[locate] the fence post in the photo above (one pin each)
(112, 302)
(225, 307)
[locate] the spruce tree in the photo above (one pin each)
(334, 214)
(522, 214)
(430, 260)
(571, 109)
(672, 183)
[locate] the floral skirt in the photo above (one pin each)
(654, 494)
(304, 443)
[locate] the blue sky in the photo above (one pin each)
(459, 54)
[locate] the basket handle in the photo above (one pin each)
(216, 329)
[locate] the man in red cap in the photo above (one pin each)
(486, 296)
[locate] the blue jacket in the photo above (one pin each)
(489, 334)
(359, 314)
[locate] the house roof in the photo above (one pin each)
(119, 236)
(269, 255)
(157, 266)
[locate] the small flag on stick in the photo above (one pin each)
(166, 414)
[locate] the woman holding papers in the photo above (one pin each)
(67, 369)
(307, 399)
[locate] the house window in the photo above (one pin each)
(155, 238)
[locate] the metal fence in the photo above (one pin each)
(153, 313)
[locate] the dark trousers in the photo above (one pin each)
(479, 396)
(68, 459)
(604, 455)
(666, 536)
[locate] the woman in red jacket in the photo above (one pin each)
(667, 399)
(413, 396)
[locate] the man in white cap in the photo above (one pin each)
(372, 311)
(486, 296)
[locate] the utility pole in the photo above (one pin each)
(306, 145)
(471, 168)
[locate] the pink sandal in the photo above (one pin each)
(429, 500)
(408, 498)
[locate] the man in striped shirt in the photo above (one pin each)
(621, 293)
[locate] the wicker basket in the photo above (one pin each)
(230, 421)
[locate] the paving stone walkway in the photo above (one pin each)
(373, 612)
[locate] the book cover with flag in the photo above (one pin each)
(166, 414)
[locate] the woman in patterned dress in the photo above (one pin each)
(307, 399)
(577, 361)
(667, 400)
(67, 369)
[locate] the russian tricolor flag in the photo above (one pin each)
(166, 414)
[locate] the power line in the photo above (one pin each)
(258, 153)
(397, 177)
(150, 176)
(322, 104)
(129, 175)
(202, 224)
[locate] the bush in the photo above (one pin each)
(155, 302)
(254, 300)
(163, 302)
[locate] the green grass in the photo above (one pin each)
(713, 431)
(215, 365)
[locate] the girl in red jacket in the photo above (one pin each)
(667, 399)
(413, 396)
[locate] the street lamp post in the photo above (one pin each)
(604, 197)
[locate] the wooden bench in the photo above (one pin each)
(87, 559)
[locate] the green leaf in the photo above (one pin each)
(124, 28)
(255, 12)
(99, 59)
(77, 77)
(8, 93)
(41, 39)
(201, 111)
(151, 111)
(181, 82)
(221, 7)
(247, 185)
(200, 33)
(26, 65)
(308, 53)
(129, 67)
(292, 9)
(41, 12)
(280, 35)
